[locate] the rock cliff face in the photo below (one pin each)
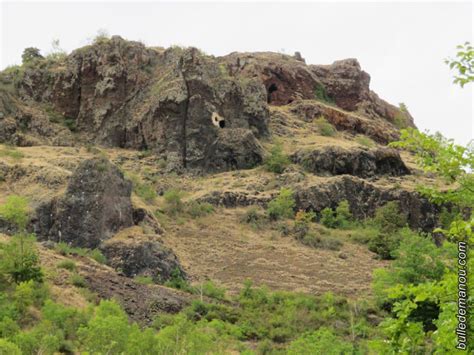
(196, 111)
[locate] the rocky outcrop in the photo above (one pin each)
(175, 102)
(94, 207)
(333, 160)
(364, 198)
(195, 111)
(136, 254)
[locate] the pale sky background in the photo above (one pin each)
(401, 45)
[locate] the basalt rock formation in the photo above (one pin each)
(141, 255)
(332, 160)
(94, 207)
(195, 111)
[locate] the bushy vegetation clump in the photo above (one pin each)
(277, 161)
(282, 206)
(324, 127)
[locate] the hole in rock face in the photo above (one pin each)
(271, 89)
(218, 120)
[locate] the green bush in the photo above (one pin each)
(321, 341)
(321, 94)
(328, 218)
(324, 127)
(97, 255)
(143, 280)
(321, 242)
(210, 289)
(173, 201)
(199, 209)
(282, 206)
(19, 259)
(389, 217)
(277, 161)
(7, 348)
(384, 244)
(178, 282)
(15, 211)
(67, 264)
(343, 214)
(417, 260)
(78, 281)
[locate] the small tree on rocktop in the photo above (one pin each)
(30, 54)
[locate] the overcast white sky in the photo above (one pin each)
(401, 45)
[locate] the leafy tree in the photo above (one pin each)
(19, 259)
(15, 211)
(30, 54)
(409, 329)
(463, 64)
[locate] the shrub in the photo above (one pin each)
(97, 255)
(282, 206)
(384, 244)
(254, 217)
(321, 242)
(210, 289)
(107, 332)
(178, 282)
(7, 348)
(302, 222)
(68, 265)
(324, 127)
(321, 94)
(173, 201)
(328, 218)
(343, 214)
(30, 54)
(143, 280)
(389, 218)
(145, 192)
(15, 211)
(77, 280)
(365, 141)
(277, 161)
(321, 341)
(19, 259)
(199, 209)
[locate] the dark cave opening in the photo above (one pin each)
(222, 123)
(271, 89)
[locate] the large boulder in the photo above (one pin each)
(333, 160)
(137, 254)
(95, 206)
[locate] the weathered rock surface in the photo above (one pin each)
(333, 160)
(364, 198)
(95, 206)
(195, 111)
(137, 254)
